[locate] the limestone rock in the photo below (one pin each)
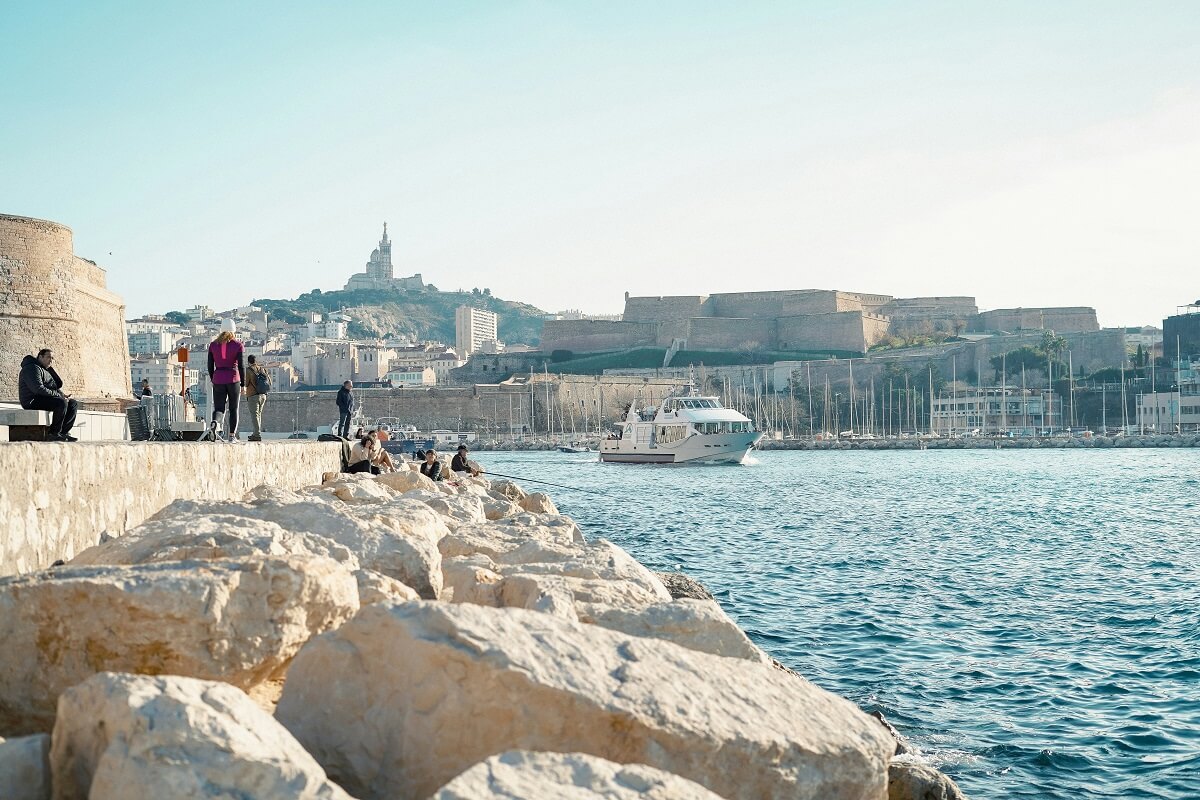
(911, 781)
(177, 535)
(376, 588)
(567, 776)
(495, 539)
(507, 490)
(126, 737)
(499, 507)
(403, 698)
(695, 624)
(25, 768)
(457, 510)
(235, 621)
(538, 503)
(360, 489)
(681, 586)
(398, 539)
(406, 480)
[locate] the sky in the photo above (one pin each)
(564, 153)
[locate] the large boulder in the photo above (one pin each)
(376, 588)
(234, 621)
(125, 737)
(908, 780)
(398, 539)
(25, 768)
(359, 488)
(177, 535)
(567, 776)
(695, 624)
(406, 480)
(683, 586)
(538, 503)
(403, 698)
(498, 538)
(456, 510)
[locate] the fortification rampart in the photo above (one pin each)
(486, 409)
(724, 333)
(49, 297)
(1067, 319)
(659, 309)
(844, 330)
(591, 336)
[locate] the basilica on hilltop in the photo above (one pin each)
(378, 273)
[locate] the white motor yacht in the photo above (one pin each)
(683, 428)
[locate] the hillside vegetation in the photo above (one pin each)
(423, 314)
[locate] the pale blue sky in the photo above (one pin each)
(1027, 153)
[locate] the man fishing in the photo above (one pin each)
(460, 462)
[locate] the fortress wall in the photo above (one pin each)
(659, 309)
(724, 333)
(869, 303)
(751, 305)
(592, 335)
(1067, 319)
(918, 305)
(844, 330)
(51, 298)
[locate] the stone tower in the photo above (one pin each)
(380, 266)
(49, 297)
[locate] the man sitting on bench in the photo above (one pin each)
(41, 389)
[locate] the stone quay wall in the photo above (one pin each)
(49, 297)
(56, 499)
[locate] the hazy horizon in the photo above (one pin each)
(562, 155)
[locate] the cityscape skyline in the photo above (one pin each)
(1024, 156)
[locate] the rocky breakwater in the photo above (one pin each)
(390, 637)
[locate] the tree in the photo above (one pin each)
(177, 317)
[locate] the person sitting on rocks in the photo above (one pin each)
(367, 455)
(432, 468)
(460, 462)
(40, 388)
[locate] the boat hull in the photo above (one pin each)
(716, 449)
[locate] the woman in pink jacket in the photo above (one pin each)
(227, 371)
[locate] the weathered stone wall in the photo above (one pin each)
(593, 336)
(725, 333)
(484, 409)
(51, 298)
(1059, 320)
(55, 499)
(845, 330)
(658, 309)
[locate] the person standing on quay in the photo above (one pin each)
(346, 405)
(258, 385)
(227, 371)
(146, 390)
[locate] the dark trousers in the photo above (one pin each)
(227, 394)
(344, 425)
(363, 466)
(62, 412)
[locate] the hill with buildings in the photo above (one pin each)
(419, 314)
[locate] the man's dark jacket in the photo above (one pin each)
(345, 400)
(38, 381)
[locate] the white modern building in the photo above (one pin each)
(473, 327)
(163, 372)
(414, 376)
(996, 410)
(151, 342)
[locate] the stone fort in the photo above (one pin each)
(49, 297)
(798, 320)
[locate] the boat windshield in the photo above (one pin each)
(723, 427)
(697, 402)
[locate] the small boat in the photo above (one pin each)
(685, 428)
(573, 448)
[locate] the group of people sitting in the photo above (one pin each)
(368, 455)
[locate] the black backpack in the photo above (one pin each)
(262, 381)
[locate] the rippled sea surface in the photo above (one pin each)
(1029, 619)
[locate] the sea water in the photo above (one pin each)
(1028, 619)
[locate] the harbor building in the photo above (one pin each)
(475, 330)
(996, 409)
(1181, 333)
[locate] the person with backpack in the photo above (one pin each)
(227, 371)
(258, 386)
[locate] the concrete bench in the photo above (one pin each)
(25, 424)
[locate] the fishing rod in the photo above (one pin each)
(534, 480)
